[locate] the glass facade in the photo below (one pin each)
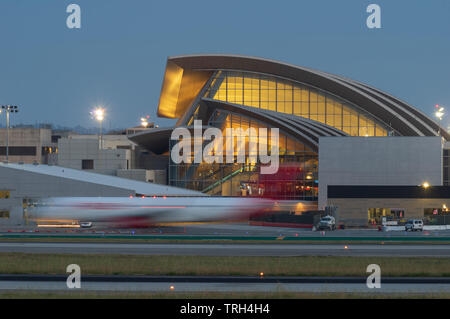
(276, 94)
(376, 215)
(446, 167)
(296, 178)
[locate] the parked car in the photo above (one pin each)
(414, 225)
(327, 222)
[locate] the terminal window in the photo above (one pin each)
(19, 150)
(436, 216)
(376, 215)
(4, 194)
(87, 164)
(4, 214)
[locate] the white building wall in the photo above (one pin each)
(151, 176)
(378, 161)
(109, 141)
(72, 151)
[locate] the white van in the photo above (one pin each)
(414, 224)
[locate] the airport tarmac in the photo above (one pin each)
(224, 287)
(224, 229)
(245, 229)
(399, 250)
(225, 284)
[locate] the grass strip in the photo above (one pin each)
(249, 241)
(114, 264)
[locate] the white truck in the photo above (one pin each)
(327, 222)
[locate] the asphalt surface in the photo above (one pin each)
(224, 284)
(400, 250)
(225, 229)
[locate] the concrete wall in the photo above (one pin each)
(151, 176)
(109, 141)
(378, 161)
(72, 151)
(134, 174)
(158, 177)
(33, 137)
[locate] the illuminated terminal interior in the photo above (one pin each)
(296, 179)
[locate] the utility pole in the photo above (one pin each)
(8, 109)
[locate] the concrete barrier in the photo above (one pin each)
(426, 227)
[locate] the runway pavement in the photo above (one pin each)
(225, 284)
(400, 250)
(224, 229)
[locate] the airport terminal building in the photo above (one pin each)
(333, 131)
(344, 147)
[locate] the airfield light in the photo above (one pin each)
(425, 185)
(172, 287)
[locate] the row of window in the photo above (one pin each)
(27, 150)
(18, 150)
(279, 95)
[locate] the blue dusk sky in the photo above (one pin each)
(117, 59)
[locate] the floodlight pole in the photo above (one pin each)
(101, 134)
(7, 134)
(439, 114)
(8, 109)
(99, 115)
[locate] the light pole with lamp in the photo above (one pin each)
(144, 121)
(439, 114)
(8, 109)
(99, 115)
